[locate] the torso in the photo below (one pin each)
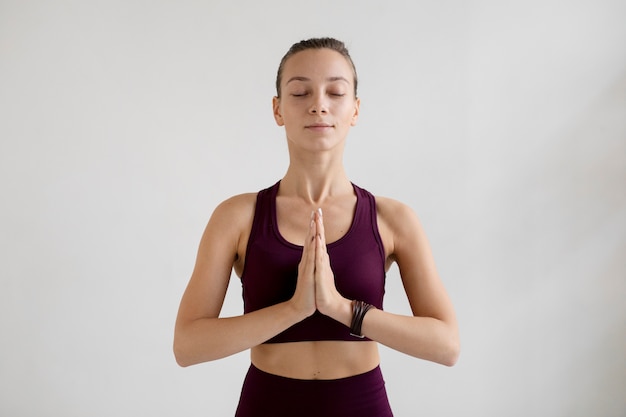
(313, 359)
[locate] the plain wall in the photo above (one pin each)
(124, 123)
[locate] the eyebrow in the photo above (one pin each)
(329, 79)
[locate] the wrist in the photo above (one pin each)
(297, 311)
(359, 310)
(341, 311)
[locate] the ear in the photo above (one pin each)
(355, 116)
(276, 109)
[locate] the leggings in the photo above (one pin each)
(267, 395)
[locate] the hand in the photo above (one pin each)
(304, 297)
(327, 299)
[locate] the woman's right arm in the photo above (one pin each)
(200, 334)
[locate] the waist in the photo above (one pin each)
(316, 360)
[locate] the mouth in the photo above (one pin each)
(319, 126)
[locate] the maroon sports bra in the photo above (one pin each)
(271, 267)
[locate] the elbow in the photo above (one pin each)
(182, 362)
(180, 355)
(187, 354)
(451, 353)
(446, 352)
(451, 348)
(451, 359)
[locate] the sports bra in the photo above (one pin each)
(271, 267)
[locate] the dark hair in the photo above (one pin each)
(315, 43)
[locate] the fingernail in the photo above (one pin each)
(312, 214)
(319, 210)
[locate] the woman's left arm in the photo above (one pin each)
(432, 332)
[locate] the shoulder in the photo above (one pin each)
(231, 215)
(236, 205)
(240, 205)
(398, 224)
(234, 213)
(228, 225)
(387, 208)
(394, 212)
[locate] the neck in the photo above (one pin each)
(315, 178)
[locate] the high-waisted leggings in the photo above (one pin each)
(267, 395)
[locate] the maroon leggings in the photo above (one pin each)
(268, 395)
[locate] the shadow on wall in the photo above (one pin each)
(577, 182)
(570, 233)
(546, 265)
(578, 212)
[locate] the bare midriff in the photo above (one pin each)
(316, 360)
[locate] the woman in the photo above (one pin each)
(312, 252)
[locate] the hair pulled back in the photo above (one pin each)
(315, 43)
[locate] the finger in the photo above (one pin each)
(321, 253)
(308, 251)
(312, 228)
(319, 223)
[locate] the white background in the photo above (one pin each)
(124, 123)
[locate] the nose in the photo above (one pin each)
(318, 105)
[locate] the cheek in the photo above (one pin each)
(294, 107)
(348, 113)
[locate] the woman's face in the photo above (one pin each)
(317, 104)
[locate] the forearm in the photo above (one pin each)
(422, 337)
(207, 339)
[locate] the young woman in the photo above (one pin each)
(312, 252)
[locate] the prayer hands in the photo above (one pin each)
(316, 289)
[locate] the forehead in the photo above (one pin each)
(317, 64)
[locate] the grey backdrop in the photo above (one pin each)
(124, 123)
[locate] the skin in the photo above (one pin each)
(315, 205)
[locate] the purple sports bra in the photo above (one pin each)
(271, 267)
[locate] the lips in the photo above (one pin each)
(318, 126)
